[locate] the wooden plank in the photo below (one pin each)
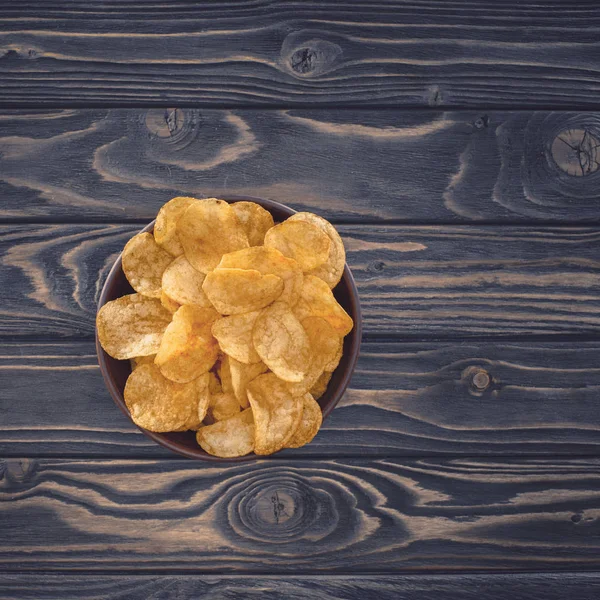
(413, 281)
(405, 399)
(316, 516)
(492, 586)
(402, 52)
(350, 165)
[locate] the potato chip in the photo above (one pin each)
(281, 342)
(168, 303)
(157, 403)
(276, 413)
(255, 220)
(222, 406)
(241, 376)
(332, 269)
(131, 326)
(320, 387)
(332, 365)
(309, 424)
(188, 348)
(203, 395)
(225, 375)
(214, 385)
(165, 226)
(144, 262)
(269, 260)
(229, 438)
(136, 361)
(234, 334)
(208, 229)
(183, 284)
(236, 291)
(317, 300)
(306, 243)
(324, 346)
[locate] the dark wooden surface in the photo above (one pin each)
(456, 146)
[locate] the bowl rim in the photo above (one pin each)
(160, 438)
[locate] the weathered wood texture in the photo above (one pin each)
(350, 166)
(301, 516)
(524, 586)
(407, 52)
(404, 399)
(413, 281)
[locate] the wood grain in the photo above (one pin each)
(301, 517)
(350, 166)
(413, 281)
(492, 586)
(405, 399)
(403, 52)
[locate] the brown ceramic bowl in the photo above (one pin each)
(115, 372)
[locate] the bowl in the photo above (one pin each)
(115, 372)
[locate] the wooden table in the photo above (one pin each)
(464, 462)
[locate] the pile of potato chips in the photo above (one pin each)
(233, 331)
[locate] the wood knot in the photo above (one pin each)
(482, 122)
(165, 123)
(20, 53)
(17, 470)
(305, 56)
(575, 151)
(304, 60)
(478, 380)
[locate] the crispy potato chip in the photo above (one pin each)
(324, 346)
(320, 387)
(234, 334)
(282, 342)
(157, 403)
(309, 424)
(165, 226)
(255, 220)
(225, 375)
(236, 291)
(183, 284)
(230, 438)
(188, 348)
(144, 262)
(276, 414)
(317, 300)
(269, 260)
(168, 303)
(203, 395)
(131, 326)
(214, 385)
(241, 376)
(332, 269)
(306, 243)
(208, 229)
(332, 365)
(222, 406)
(136, 361)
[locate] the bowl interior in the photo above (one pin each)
(116, 372)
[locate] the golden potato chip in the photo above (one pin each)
(230, 438)
(320, 387)
(306, 243)
(208, 229)
(332, 269)
(214, 385)
(324, 346)
(131, 326)
(309, 424)
(157, 403)
(234, 334)
(269, 260)
(317, 300)
(136, 361)
(282, 342)
(144, 262)
(255, 220)
(225, 375)
(276, 413)
(236, 291)
(165, 226)
(168, 303)
(222, 406)
(241, 376)
(332, 365)
(203, 395)
(183, 284)
(188, 348)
